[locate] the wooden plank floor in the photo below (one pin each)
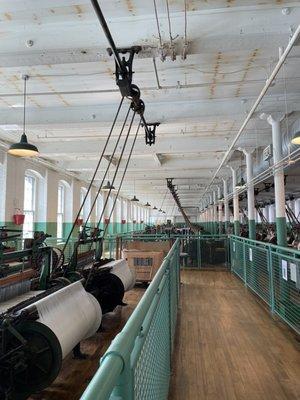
(228, 347)
(76, 374)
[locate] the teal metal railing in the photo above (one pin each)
(273, 273)
(196, 251)
(137, 365)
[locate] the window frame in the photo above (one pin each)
(28, 226)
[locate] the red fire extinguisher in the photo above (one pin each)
(18, 217)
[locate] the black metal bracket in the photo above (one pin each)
(150, 132)
(124, 71)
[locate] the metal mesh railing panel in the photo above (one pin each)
(152, 371)
(174, 297)
(257, 271)
(237, 258)
(145, 343)
(273, 273)
(286, 288)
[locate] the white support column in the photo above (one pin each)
(220, 211)
(236, 210)
(297, 208)
(279, 189)
(226, 205)
(250, 194)
(215, 213)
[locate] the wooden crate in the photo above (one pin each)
(163, 245)
(144, 264)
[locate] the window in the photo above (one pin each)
(125, 210)
(60, 210)
(86, 208)
(118, 211)
(29, 205)
(2, 193)
(99, 208)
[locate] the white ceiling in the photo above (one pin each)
(200, 102)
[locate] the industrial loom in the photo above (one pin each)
(50, 304)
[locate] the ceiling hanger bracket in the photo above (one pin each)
(124, 70)
(150, 132)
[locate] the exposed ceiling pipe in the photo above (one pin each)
(148, 88)
(172, 46)
(156, 73)
(257, 102)
(185, 46)
(162, 50)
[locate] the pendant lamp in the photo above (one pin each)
(23, 148)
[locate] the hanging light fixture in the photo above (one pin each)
(147, 204)
(134, 198)
(241, 184)
(108, 187)
(154, 208)
(296, 139)
(23, 148)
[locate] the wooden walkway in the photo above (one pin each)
(228, 347)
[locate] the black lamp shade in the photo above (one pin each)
(241, 184)
(134, 198)
(23, 148)
(296, 138)
(108, 187)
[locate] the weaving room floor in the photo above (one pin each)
(76, 374)
(228, 347)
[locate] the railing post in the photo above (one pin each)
(199, 252)
(271, 283)
(244, 263)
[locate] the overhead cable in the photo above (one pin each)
(92, 180)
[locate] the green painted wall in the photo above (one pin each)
(51, 227)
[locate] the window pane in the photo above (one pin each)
(60, 199)
(29, 191)
(59, 226)
(29, 205)
(60, 210)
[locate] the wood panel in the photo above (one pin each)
(76, 374)
(228, 347)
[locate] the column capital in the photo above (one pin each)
(246, 150)
(272, 117)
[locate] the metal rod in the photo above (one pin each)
(106, 171)
(115, 174)
(99, 189)
(156, 73)
(113, 206)
(157, 23)
(169, 22)
(107, 33)
(124, 173)
(91, 182)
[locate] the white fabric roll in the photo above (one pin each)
(121, 269)
(71, 313)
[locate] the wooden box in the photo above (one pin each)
(144, 264)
